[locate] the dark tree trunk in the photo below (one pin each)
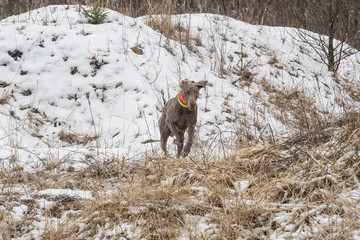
(331, 33)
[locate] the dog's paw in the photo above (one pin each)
(183, 153)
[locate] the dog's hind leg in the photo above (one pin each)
(164, 137)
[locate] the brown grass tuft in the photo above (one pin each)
(74, 138)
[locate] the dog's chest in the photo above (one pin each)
(185, 118)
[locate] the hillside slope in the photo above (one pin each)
(55, 60)
(78, 99)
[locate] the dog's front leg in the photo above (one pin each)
(179, 135)
(189, 142)
(180, 144)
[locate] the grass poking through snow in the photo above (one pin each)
(305, 187)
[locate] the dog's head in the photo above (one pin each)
(190, 92)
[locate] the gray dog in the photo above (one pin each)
(179, 114)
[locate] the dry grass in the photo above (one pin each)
(74, 138)
(295, 108)
(173, 30)
(293, 187)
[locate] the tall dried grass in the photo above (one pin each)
(296, 188)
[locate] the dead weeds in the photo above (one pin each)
(74, 138)
(291, 188)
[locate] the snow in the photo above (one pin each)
(241, 186)
(65, 193)
(20, 210)
(357, 234)
(74, 77)
(355, 194)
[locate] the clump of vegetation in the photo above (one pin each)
(243, 68)
(97, 13)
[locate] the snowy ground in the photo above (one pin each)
(74, 94)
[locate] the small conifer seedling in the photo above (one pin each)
(96, 14)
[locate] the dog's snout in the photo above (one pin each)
(192, 104)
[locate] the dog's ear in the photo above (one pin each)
(183, 82)
(201, 84)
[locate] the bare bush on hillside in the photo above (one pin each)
(334, 23)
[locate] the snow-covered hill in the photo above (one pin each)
(72, 90)
(52, 60)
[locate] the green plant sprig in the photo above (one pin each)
(96, 14)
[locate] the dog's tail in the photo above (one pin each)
(150, 141)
